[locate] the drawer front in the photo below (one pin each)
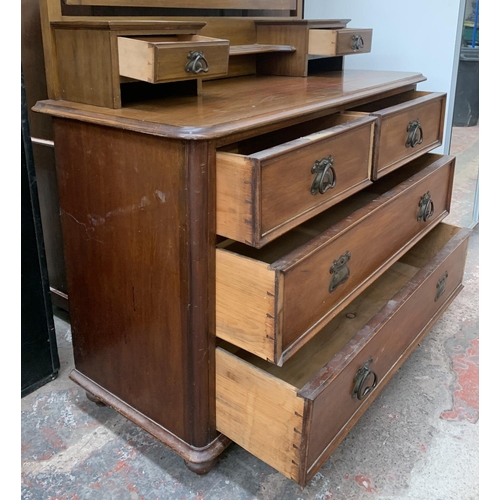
(408, 130)
(339, 42)
(380, 348)
(263, 195)
(333, 166)
(158, 59)
(271, 302)
(341, 266)
(208, 59)
(293, 417)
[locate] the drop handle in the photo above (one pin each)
(197, 63)
(325, 176)
(340, 271)
(425, 208)
(441, 286)
(357, 42)
(365, 381)
(415, 134)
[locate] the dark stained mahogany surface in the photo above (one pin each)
(234, 105)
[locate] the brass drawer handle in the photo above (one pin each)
(415, 134)
(357, 42)
(197, 63)
(326, 178)
(340, 271)
(365, 381)
(425, 207)
(441, 286)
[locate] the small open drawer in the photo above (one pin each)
(339, 42)
(273, 300)
(159, 59)
(409, 125)
(271, 183)
(293, 417)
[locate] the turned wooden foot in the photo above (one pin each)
(95, 400)
(201, 467)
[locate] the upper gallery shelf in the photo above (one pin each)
(195, 4)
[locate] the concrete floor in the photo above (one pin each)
(418, 440)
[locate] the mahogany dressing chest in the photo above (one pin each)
(253, 235)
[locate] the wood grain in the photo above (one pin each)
(88, 56)
(275, 206)
(157, 59)
(395, 113)
(258, 48)
(140, 253)
(260, 413)
(254, 397)
(237, 197)
(338, 42)
(391, 228)
(385, 215)
(130, 25)
(245, 303)
(233, 108)
(294, 64)
(400, 324)
(195, 4)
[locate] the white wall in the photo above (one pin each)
(421, 36)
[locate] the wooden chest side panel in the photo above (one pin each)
(88, 56)
(245, 303)
(237, 197)
(123, 212)
(259, 412)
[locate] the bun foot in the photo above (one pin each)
(201, 467)
(95, 400)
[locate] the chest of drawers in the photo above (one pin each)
(253, 264)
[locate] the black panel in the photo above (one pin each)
(39, 359)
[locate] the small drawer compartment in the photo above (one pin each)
(159, 59)
(293, 417)
(269, 184)
(273, 300)
(339, 42)
(409, 125)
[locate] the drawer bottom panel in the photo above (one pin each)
(294, 416)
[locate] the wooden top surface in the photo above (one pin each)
(236, 105)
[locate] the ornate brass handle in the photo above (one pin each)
(441, 286)
(339, 271)
(365, 381)
(197, 63)
(415, 134)
(425, 207)
(357, 42)
(326, 178)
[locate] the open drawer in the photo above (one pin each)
(159, 59)
(271, 183)
(409, 125)
(273, 300)
(293, 417)
(339, 42)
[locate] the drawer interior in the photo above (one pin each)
(266, 141)
(302, 367)
(391, 101)
(304, 233)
